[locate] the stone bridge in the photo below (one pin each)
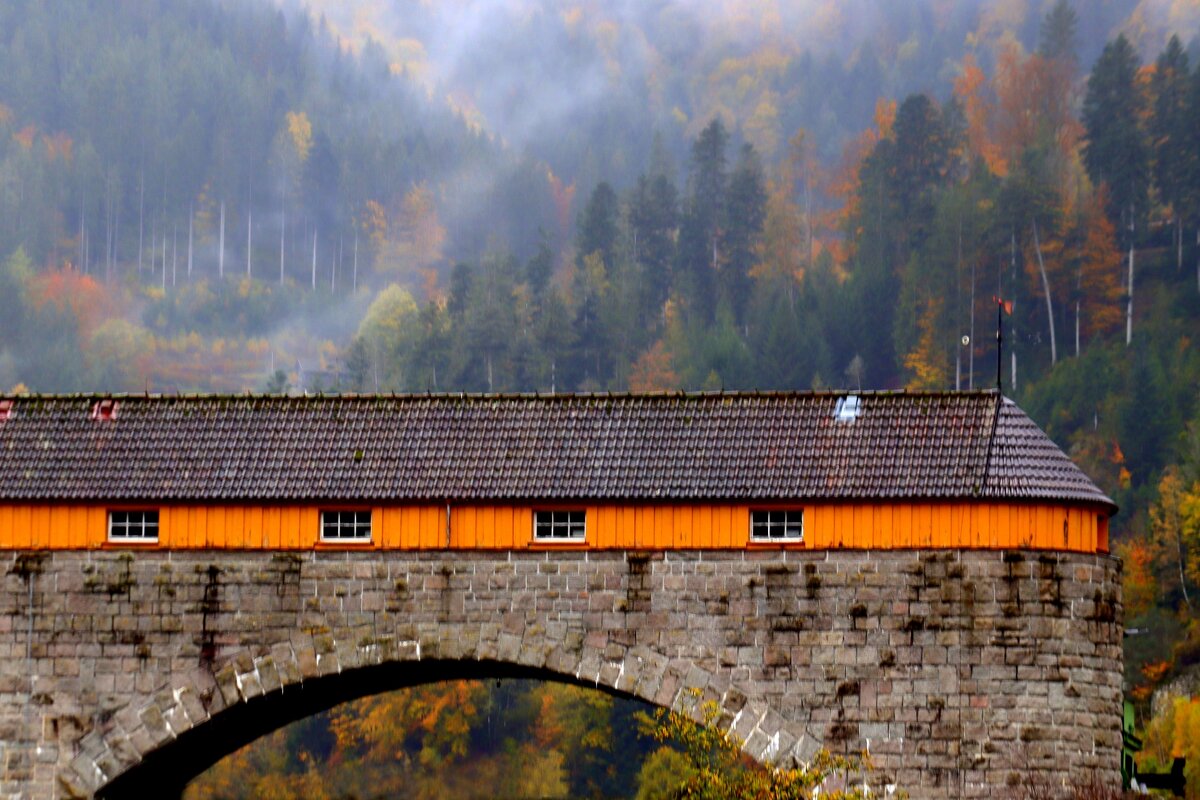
(123, 674)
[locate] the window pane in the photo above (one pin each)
(777, 525)
(559, 525)
(346, 525)
(133, 525)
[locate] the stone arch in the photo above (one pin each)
(156, 746)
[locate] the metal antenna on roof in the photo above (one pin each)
(999, 346)
(1002, 306)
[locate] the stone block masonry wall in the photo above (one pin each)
(963, 670)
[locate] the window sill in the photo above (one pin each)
(778, 544)
(349, 544)
(121, 544)
(559, 544)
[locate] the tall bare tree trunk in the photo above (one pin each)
(1182, 557)
(1179, 243)
(1129, 305)
(191, 217)
(117, 232)
(282, 240)
(81, 261)
(1037, 244)
(1077, 327)
(142, 214)
(1012, 350)
(249, 239)
(107, 231)
(971, 342)
(958, 351)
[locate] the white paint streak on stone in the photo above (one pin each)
(772, 747)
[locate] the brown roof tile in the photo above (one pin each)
(725, 446)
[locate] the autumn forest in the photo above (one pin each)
(219, 196)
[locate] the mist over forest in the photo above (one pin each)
(534, 196)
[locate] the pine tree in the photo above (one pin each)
(1056, 39)
(1116, 151)
(1191, 191)
(920, 161)
(598, 225)
(653, 215)
(1169, 133)
(745, 212)
(700, 231)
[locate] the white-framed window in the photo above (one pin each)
(345, 526)
(777, 525)
(559, 526)
(140, 525)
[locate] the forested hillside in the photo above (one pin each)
(208, 195)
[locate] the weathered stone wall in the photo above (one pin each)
(963, 670)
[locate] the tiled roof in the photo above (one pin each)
(724, 446)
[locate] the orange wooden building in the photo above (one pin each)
(869, 470)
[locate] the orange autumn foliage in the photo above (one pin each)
(72, 292)
(25, 137)
(564, 197)
(652, 372)
(1155, 671)
(1139, 586)
(58, 146)
(972, 90)
(885, 118)
(1034, 104)
(844, 182)
(421, 229)
(928, 364)
(1099, 271)
(1174, 733)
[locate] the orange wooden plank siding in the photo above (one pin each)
(700, 526)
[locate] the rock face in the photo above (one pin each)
(1185, 685)
(122, 674)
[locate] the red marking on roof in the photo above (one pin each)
(104, 410)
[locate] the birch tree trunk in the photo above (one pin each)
(1037, 244)
(1077, 328)
(191, 217)
(971, 343)
(107, 231)
(1179, 243)
(1012, 350)
(221, 246)
(82, 259)
(142, 214)
(1129, 305)
(282, 240)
